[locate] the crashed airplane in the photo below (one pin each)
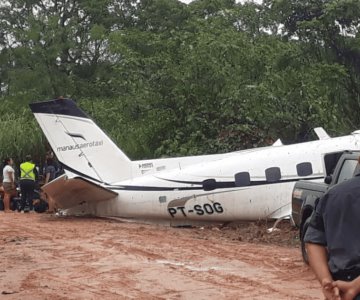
(244, 185)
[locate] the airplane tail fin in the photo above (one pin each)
(79, 144)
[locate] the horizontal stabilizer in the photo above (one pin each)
(68, 193)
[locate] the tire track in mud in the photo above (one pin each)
(88, 258)
(220, 280)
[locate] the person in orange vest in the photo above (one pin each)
(28, 177)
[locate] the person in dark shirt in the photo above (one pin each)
(333, 241)
(50, 174)
(50, 170)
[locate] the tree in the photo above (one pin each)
(55, 47)
(329, 29)
(164, 78)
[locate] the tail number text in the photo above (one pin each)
(205, 209)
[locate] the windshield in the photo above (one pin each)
(347, 170)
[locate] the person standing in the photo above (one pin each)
(50, 174)
(28, 176)
(8, 183)
(333, 243)
(50, 170)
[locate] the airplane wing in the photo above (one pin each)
(321, 133)
(70, 192)
(278, 143)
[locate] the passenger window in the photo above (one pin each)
(273, 174)
(209, 184)
(304, 169)
(347, 170)
(242, 179)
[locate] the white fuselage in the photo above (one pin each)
(178, 194)
(245, 185)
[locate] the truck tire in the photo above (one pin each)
(303, 248)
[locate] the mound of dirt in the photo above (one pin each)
(257, 232)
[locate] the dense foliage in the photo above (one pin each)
(164, 78)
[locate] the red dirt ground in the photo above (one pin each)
(48, 257)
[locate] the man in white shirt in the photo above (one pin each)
(8, 183)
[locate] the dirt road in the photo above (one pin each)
(47, 257)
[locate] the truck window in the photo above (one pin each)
(347, 170)
(330, 160)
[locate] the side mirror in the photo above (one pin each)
(328, 179)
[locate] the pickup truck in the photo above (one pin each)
(338, 167)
